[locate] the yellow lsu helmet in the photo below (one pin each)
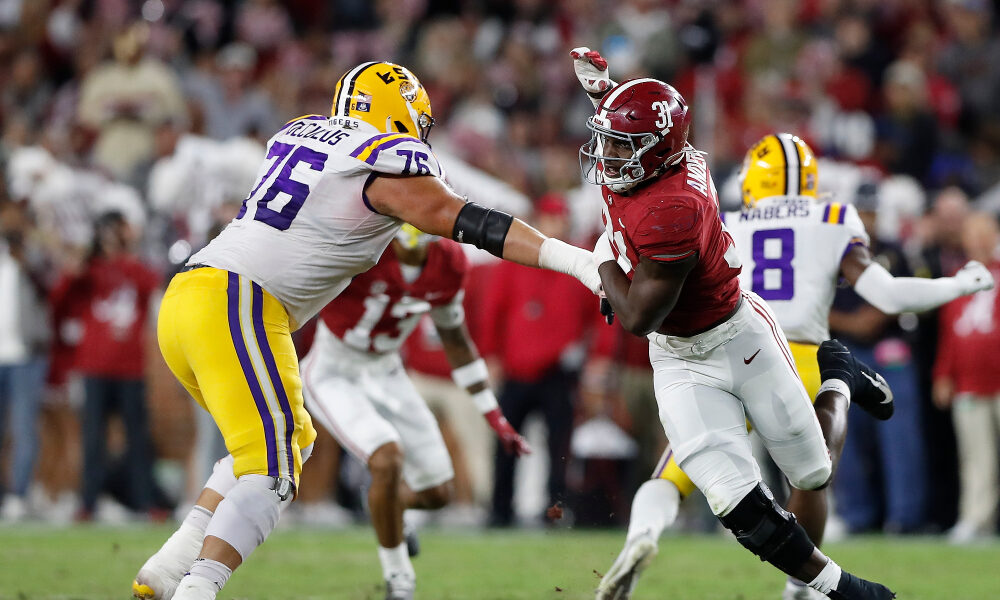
(779, 164)
(384, 95)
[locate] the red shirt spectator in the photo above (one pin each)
(970, 342)
(117, 291)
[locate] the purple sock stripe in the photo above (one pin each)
(826, 214)
(257, 310)
(662, 466)
(374, 155)
(369, 142)
(236, 332)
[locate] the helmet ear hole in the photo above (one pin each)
(400, 127)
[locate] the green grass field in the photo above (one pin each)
(98, 563)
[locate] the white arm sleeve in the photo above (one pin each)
(893, 295)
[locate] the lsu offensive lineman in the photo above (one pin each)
(794, 251)
(329, 197)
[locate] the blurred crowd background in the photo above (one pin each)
(131, 130)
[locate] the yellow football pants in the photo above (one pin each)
(805, 363)
(229, 343)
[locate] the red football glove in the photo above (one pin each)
(512, 441)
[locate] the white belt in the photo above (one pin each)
(703, 343)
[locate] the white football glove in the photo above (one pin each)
(602, 250)
(592, 70)
(557, 255)
(974, 277)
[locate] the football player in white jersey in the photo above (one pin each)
(330, 196)
(794, 250)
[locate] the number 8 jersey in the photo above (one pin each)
(307, 228)
(791, 247)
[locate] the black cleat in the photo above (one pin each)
(852, 587)
(868, 389)
(412, 541)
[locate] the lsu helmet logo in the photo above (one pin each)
(779, 164)
(407, 91)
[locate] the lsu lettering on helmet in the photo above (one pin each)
(640, 128)
(779, 164)
(386, 96)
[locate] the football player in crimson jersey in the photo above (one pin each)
(814, 244)
(670, 272)
(356, 386)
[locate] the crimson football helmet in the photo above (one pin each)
(640, 127)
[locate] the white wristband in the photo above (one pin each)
(484, 400)
(835, 385)
(470, 374)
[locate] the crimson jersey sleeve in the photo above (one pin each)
(454, 267)
(669, 231)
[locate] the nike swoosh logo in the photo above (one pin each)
(747, 361)
(878, 385)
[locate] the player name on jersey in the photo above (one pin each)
(697, 174)
(784, 209)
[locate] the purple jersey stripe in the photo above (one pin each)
(369, 142)
(364, 192)
(374, 155)
(236, 332)
(842, 214)
(826, 214)
(257, 310)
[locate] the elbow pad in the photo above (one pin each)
(482, 227)
(893, 295)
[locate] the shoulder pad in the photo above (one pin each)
(397, 154)
(303, 118)
(669, 216)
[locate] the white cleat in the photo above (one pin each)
(622, 577)
(159, 577)
(400, 586)
(150, 585)
(800, 592)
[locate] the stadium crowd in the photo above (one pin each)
(130, 132)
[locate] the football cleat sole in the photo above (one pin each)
(141, 590)
(621, 579)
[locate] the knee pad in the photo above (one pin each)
(816, 480)
(769, 531)
(249, 512)
(222, 478)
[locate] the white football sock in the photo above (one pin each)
(654, 508)
(395, 560)
(827, 579)
(212, 570)
(194, 587)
